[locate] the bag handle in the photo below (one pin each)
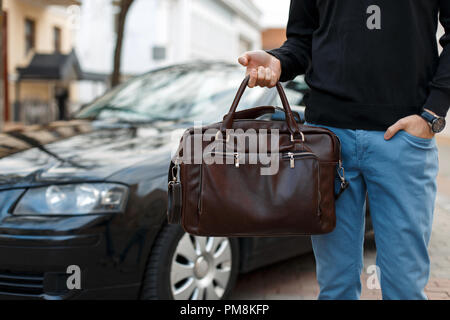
(227, 122)
(253, 113)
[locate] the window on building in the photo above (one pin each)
(159, 53)
(30, 35)
(57, 39)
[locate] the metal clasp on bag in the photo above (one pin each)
(341, 173)
(344, 183)
(302, 135)
(175, 172)
(236, 160)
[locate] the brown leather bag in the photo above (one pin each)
(234, 199)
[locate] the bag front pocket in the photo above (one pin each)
(237, 200)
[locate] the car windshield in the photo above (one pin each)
(174, 94)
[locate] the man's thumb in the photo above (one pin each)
(244, 59)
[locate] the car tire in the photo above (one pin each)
(186, 267)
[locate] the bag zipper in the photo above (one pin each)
(235, 156)
(292, 156)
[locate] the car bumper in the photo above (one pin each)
(37, 268)
(36, 252)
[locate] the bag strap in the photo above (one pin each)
(227, 122)
(253, 113)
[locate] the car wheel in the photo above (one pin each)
(186, 267)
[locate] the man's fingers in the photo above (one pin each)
(244, 59)
(267, 76)
(392, 130)
(273, 80)
(261, 76)
(253, 77)
(257, 64)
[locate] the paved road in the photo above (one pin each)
(296, 278)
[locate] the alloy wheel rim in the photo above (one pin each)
(201, 268)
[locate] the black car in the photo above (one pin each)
(83, 202)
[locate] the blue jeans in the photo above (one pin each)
(399, 177)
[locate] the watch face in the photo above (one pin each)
(438, 125)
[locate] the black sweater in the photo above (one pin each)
(368, 66)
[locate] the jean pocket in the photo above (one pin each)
(416, 139)
(417, 142)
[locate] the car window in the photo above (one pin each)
(197, 94)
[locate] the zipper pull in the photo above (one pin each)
(236, 160)
(291, 156)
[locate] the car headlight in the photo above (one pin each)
(73, 199)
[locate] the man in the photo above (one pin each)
(378, 82)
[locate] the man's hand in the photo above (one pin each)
(263, 68)
(414, 125)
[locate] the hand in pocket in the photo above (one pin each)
(414, 125)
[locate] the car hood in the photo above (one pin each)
(81, 150)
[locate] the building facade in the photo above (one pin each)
(162, 32)
(33, 27)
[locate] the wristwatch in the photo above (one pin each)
(436, 123)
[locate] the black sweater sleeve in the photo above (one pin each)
(439, 98)
(295, 53)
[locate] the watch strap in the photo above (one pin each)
(428, 116)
